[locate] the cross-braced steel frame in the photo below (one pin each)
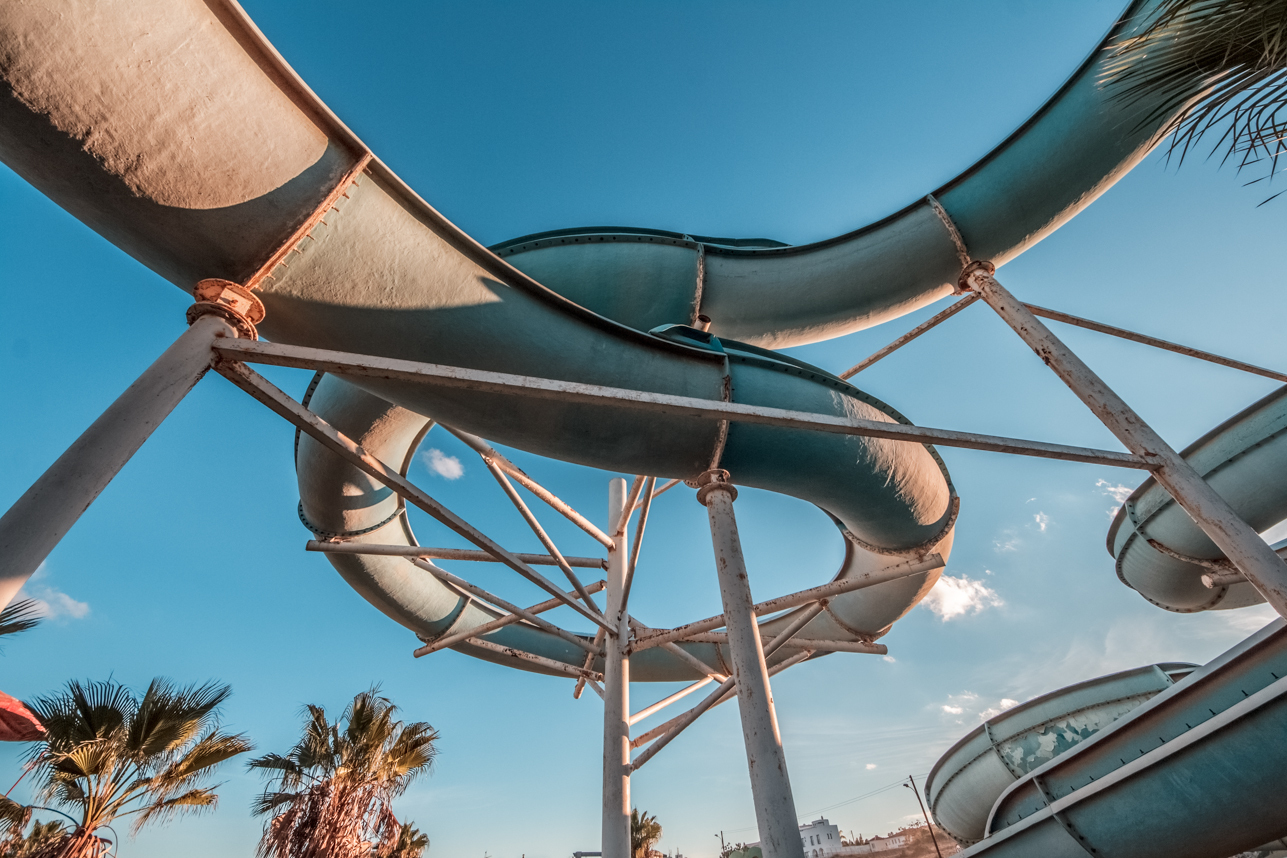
(222, 336)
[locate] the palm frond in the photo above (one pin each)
(13, 817)
(1218, 67)
(83, 713)
(268, 802)
(197, 762)
(411, 843)
(86, 760)
(20, 616)
(193, 801)
(169, 717)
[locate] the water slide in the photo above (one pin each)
(1204, 756)
(175, 130)
(967, 780)
(1131, 765)
(1162, 554)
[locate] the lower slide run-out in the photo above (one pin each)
(1194, 772)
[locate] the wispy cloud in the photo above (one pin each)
(1042, 520)
(956, 597)
(1007, 541)
(968, 705)
(1117, 492)
(447, 467)
(871, 766)
(51, 603)
(992, 711)
(1245, 621)
(888, 659)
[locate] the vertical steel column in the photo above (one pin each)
(38, 521)
(770, 784)
(616, 688)
(1239, 542)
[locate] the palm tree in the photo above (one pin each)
(1233, 53)
(42, 837)
(332, 795)
(645, 831)
(412, 843)
(107, 755)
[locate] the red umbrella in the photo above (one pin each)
(17, 724)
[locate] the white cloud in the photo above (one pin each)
(888, 659)
(956, 597)
(871, 766)
(993, 711)
(962, 707)
(1117, 492)
(51, 603)
(1042, 520)
(447, 467)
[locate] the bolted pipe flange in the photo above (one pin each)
(970, 274)
(231, 301)
(713, 480)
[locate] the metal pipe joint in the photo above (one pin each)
(716, 479)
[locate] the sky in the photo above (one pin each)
(795, 121)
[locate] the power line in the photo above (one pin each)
(863, 797)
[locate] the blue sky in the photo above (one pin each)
(794, 121)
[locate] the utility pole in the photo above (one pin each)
(928, 824)
(722, 848)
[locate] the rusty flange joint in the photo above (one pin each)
(230, 301)
(973, 274)
(714, 480)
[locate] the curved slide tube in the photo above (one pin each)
(1163, 555)
(203, 155)
(1200, 766)
(965, 783)
(762, 292)
(340, 501)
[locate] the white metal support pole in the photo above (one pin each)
(38, 521)
(616, 688)
(770, 784)
(1218, 520)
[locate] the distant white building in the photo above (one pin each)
(820, 839)
(875, 844)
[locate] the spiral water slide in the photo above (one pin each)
(174, 129)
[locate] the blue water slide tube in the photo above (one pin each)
(1158, 549)
(966, 781)
(1194, 772)
(174, 129)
